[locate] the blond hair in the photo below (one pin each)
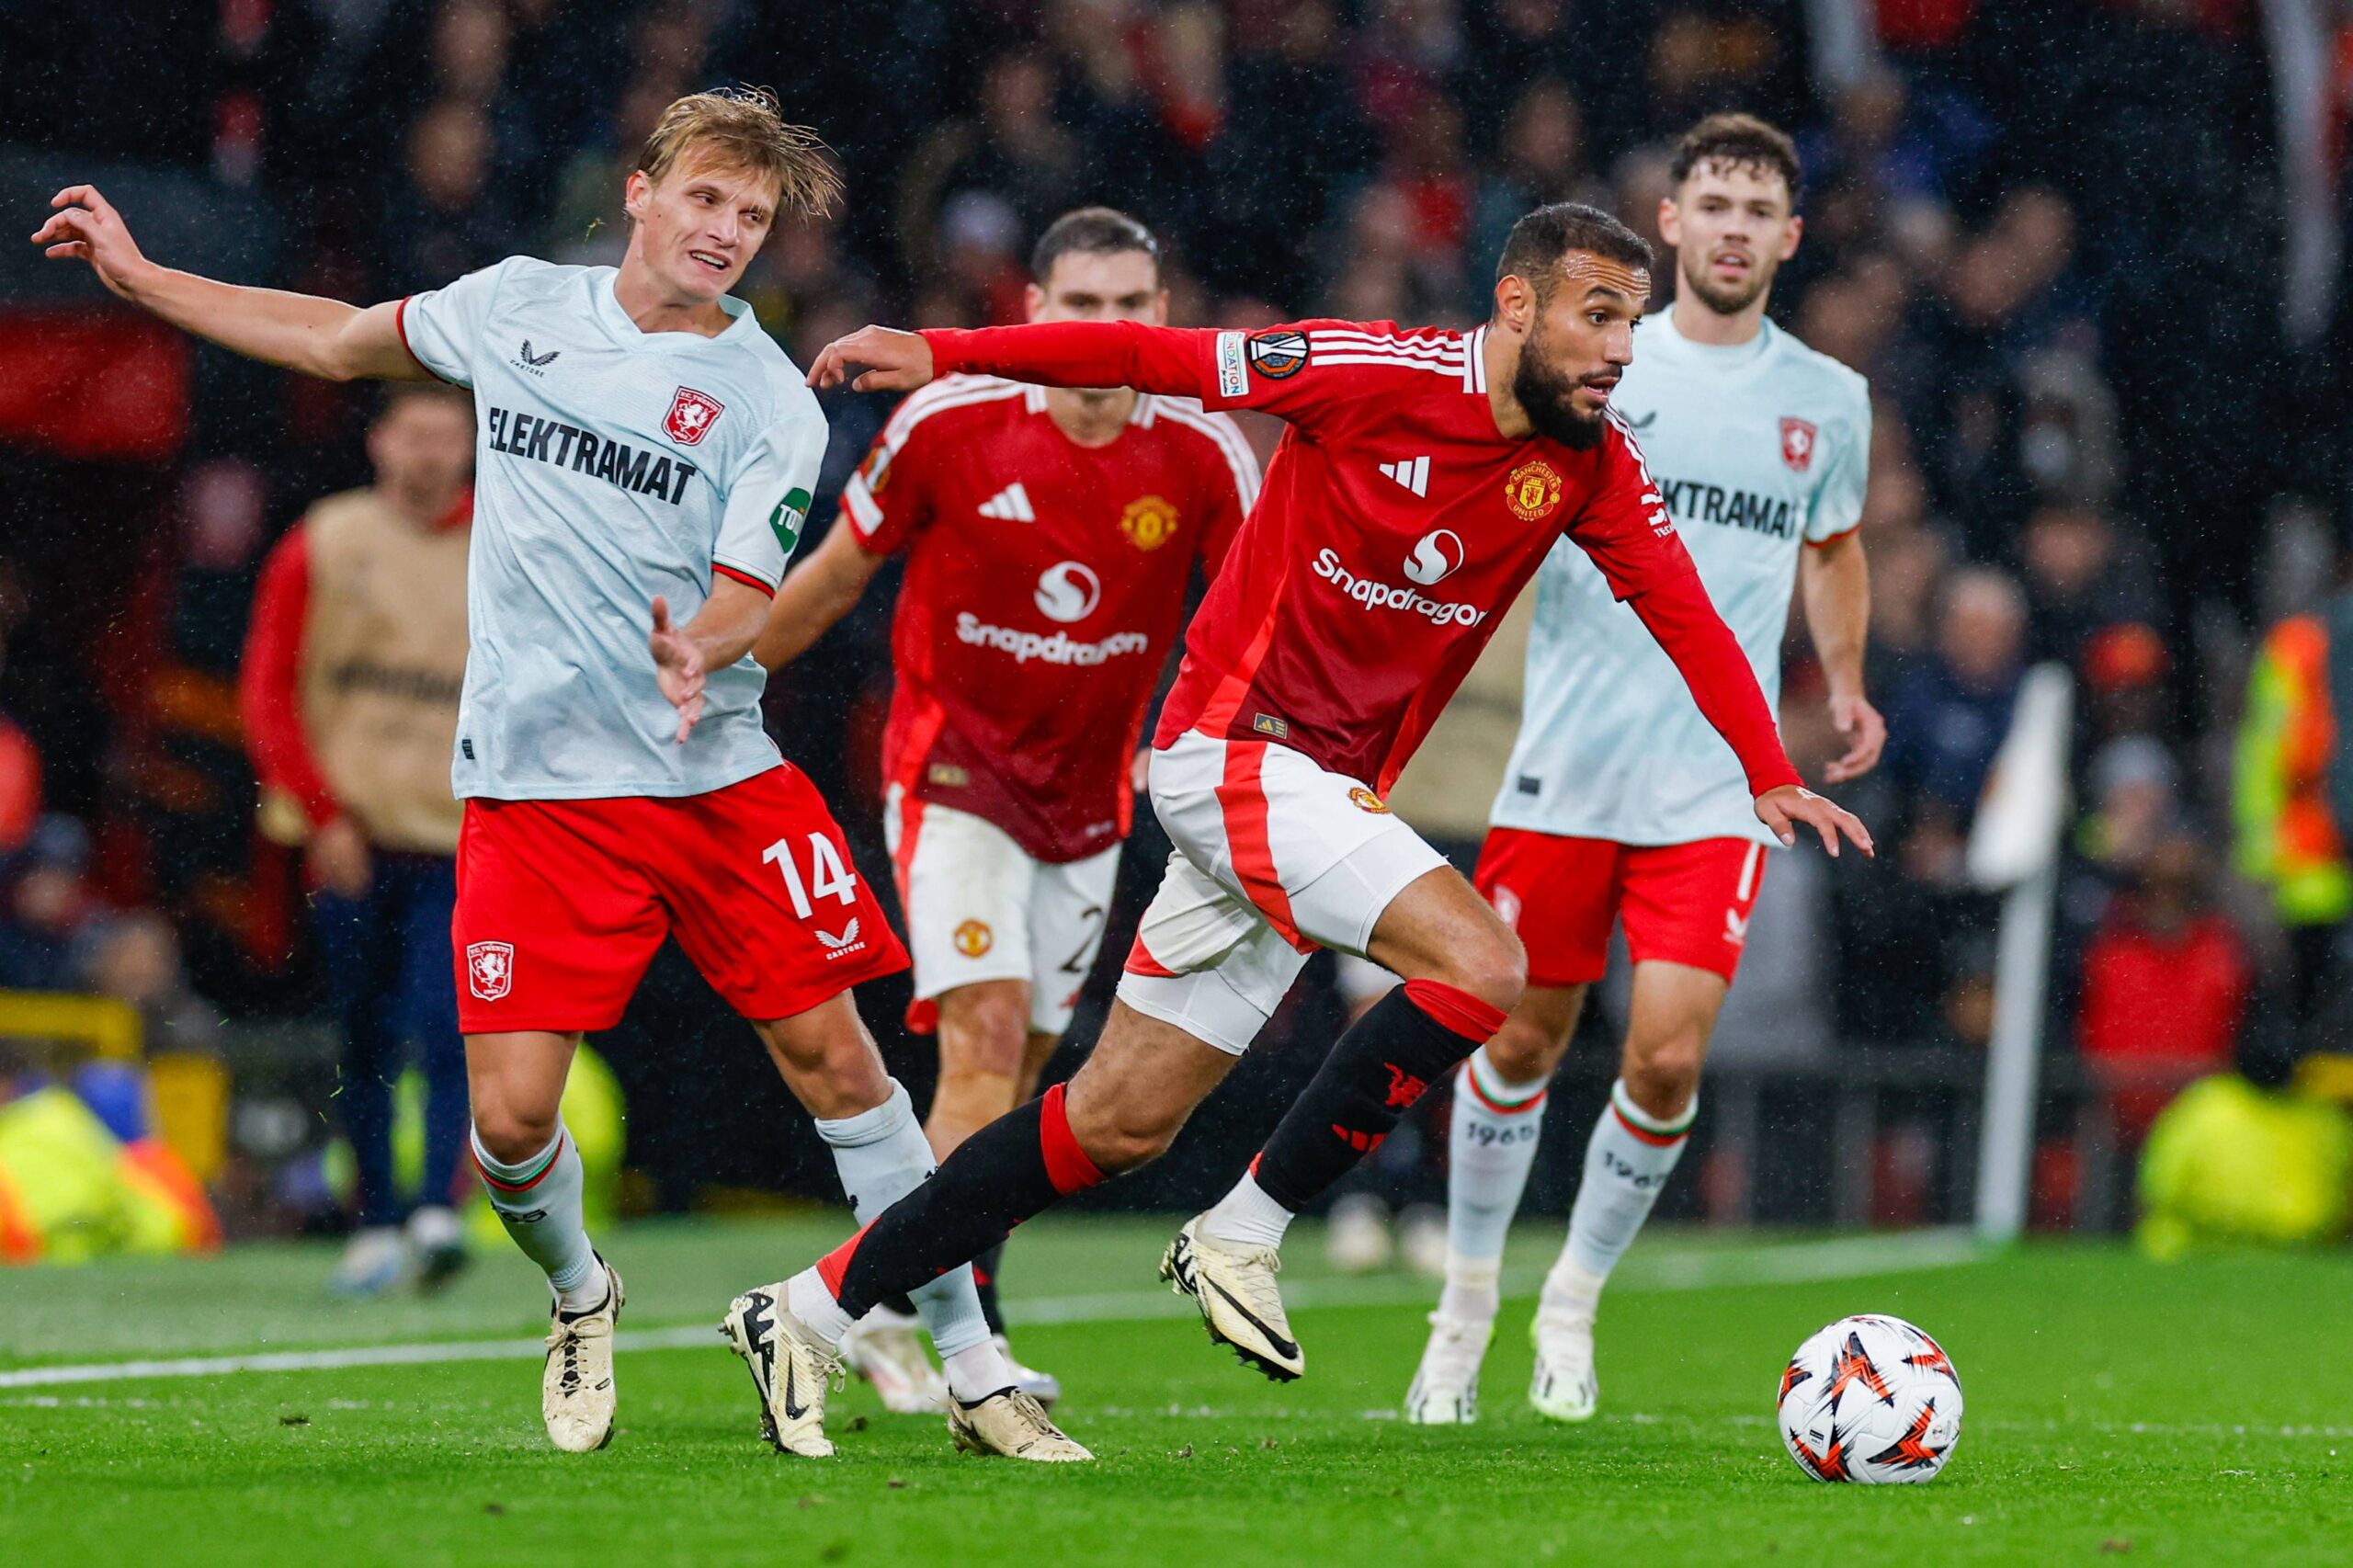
(746, 127)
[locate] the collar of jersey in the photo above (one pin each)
(1737, 358)
(617, 320)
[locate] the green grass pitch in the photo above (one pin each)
(2188, 1414)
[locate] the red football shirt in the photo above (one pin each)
(1396, 525)
(1045, 582)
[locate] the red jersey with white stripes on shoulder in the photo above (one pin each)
(1045, 584)
(1395, 527)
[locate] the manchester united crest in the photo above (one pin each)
(1365, 799)
(1533, 490)
(692, 416)
(974, 939)
(1149, 523)
(1797, 445)
(490, 969)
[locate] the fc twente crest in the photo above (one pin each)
(692, 416)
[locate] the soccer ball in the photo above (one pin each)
(1870, 1399)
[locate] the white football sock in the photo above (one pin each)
(1626, 1164)
(1248, 1217)
(1491, 1148)
(977, 1371)
(1474, 1291)
(806, 1297)
(881, 1156)
(538, 1200)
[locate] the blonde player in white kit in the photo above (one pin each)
(641, 444)
(1620, 803)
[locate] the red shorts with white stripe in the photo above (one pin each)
(1685, 903)
(562, 904)
(1275, 857)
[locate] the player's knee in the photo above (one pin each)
(983, 1034)
(1493, 967)
(1127, 1137)
(510, 1134)
(1663, 1075)
(1522, 1051)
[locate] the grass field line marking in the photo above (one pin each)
(1798, 1263)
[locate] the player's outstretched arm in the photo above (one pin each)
(1050, 354)
(720, 633)
(816, 593)
(300, 332)
(1837, 584)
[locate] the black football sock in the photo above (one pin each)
(1014, 1167)
(985, 1269)
(1404, 1043)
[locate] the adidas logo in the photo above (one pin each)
(1414, 473)
(1010, 505)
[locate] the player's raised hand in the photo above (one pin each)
(85, 227)
(678, 666)
(1781, 809)
(901, 360)
(1866, 732)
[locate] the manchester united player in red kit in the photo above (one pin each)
(1049, 539)
(1424, 477)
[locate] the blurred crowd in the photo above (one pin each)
(2060, 236)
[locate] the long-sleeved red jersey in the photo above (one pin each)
(1396, 525)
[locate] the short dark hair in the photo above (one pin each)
(1539, 240)
(1095, 231)
(1742, 140)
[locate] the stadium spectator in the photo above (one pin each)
(1946, 722)
(2166, 981)
(437, 219)
(350, 691)
(2078, 580)
(50, 905)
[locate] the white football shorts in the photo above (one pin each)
(1275, 857)
(981, 907)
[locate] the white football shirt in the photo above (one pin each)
(612, 465)
(1759, 451)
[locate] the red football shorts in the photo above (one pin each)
(560, 903)
(1684, 903)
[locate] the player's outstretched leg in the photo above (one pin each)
(1634, 1147)
(1119, 1112)
(867, 1118)
(533, 1176)
(1465, 969)
(1499, 1111)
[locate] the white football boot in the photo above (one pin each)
(1235, 1288)
(373, 1261)
(791, 1370)
(1446, 1385)
(886, 1348)
(577, 1395)
(1012, 1423)
(1043, 1387)
(437, 1238)
(1356, 1237)
(1563, 1387)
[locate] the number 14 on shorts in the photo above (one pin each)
(828, 877)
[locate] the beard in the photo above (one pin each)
(1727, 301)
(1543, 391)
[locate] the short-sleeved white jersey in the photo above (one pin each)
(612, 465)
(1759, 451)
